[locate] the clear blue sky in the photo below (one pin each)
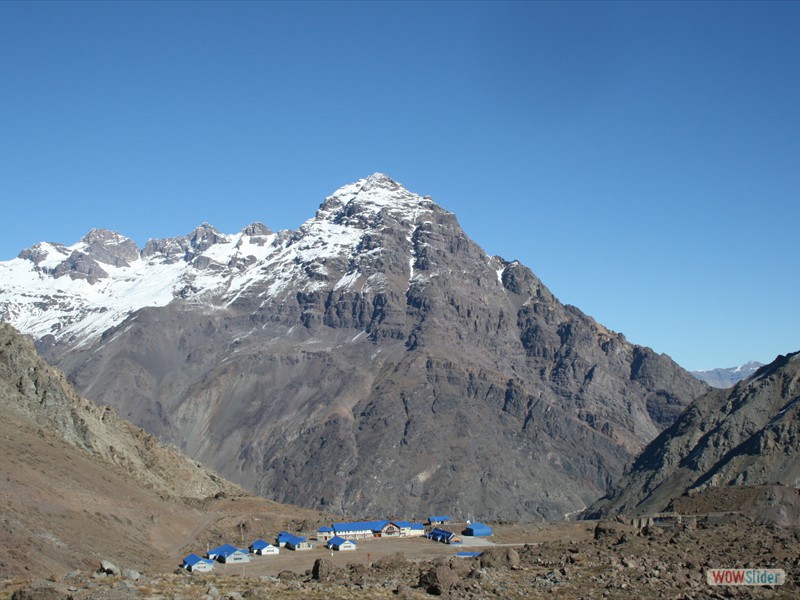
(642, 158)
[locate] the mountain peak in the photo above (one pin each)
(256, 229)
(103, 236)
(371, 195)
(108, 247)
(204, 236)
(380, 180)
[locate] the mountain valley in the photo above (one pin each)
(748, 435)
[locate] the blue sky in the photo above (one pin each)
(642, 158)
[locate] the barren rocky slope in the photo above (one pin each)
(374, 362)
(744, 436)
(562, 560)
(78, 484)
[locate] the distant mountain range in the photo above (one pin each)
(373, 362)
(748, 435)
(725, 378)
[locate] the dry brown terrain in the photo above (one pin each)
(557, 560)
(63, 509)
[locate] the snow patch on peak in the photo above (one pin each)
(44, 251)
(380, 180)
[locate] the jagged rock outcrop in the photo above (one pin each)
(375, 361)
(745, 436)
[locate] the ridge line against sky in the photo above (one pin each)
(643, 159)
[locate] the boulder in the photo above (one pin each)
(439, 580)
(500, 556)
(109, 568)
(131, 574)
(324, 570)
(613, 531)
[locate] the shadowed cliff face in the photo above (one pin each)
(377, 361)
(745, 436)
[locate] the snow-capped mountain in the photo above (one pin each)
(77, 292)
(728, 377)
(374, 361)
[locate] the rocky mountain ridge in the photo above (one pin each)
(748, 435)
(375, 361)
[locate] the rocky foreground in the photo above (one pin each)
(606, 559)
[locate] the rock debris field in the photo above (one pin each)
(605, 559)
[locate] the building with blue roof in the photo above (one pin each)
(215, 552)
(409, 529)
(229, 554)
(478, 529)
(325, 533)
(196, 563)
(444, 536)
(417, 529)
(358, 530)
(439, 520)
(263, 548)
(293, 542)
(338, 543)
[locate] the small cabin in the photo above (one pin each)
(196, 563)
(444, 536)
(229, 554)
(263, 548)
(341, 544)
(293, 542)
